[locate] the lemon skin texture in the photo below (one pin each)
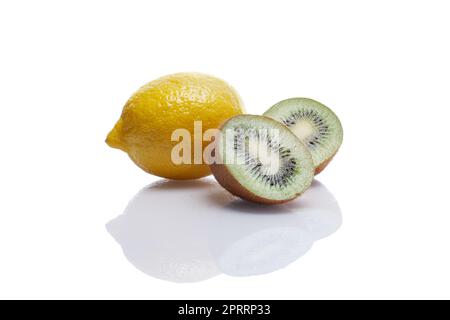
(172, 102)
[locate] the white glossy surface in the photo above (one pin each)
(206, 231)
(67, 68)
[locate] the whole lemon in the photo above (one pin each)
(172, 102)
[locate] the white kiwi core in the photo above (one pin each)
(303, 129)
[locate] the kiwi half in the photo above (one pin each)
(314, 124)
(260, 160)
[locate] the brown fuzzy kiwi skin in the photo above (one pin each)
(324, 164)
(226, 180)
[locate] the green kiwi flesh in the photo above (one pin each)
(282, 169)
(314, 124)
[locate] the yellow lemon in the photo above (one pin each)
(157, 109)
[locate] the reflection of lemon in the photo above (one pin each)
(172, 102)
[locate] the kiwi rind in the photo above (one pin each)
(228, 175)
(321, 151)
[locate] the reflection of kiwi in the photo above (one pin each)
(260, 160)
(249, 239)
(315, 124)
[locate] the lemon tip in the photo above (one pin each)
(112, 139)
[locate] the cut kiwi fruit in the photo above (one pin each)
(314, 124)
(260, 160)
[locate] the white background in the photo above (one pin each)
(67, 68)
